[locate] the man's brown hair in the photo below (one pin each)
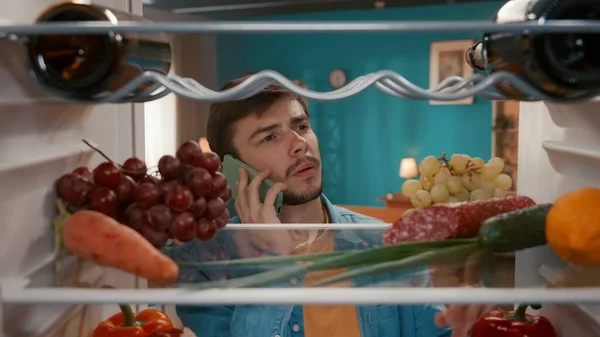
(223, 115)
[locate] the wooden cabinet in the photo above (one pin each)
(396, 200)
(395, 205)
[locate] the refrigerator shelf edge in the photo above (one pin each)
(573, 161)
(272, 27)
(14, 292)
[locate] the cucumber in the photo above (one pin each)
(516, 230)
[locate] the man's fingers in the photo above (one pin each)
(455, 318)
(242, 197)
(455, 314)
(472, 314)
(451, 318)
(239, 210)
(444, 275)
(253, 191)
(471, 275)
(459, 333)
(272, 193)
(440, 319)
(461, 318)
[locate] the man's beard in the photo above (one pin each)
(292, 199)
(302, 198)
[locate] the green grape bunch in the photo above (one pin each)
(458, 179)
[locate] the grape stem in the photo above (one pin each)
(107, 157)
(100, 152)
(446, 162)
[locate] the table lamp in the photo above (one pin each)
(204, 144)
(408, 168)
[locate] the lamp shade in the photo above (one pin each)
(408, 168)
(204, 144)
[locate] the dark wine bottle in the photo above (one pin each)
(95, 65)
(565, 66)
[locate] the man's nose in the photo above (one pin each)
(298, 146)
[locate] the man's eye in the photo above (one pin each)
(303, 127)
(268, 138)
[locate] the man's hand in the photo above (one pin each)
(462, 317)
(247, 203)
(254, 242)
(459, 317)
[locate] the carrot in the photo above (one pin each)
(94, 236)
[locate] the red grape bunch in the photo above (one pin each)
(186, 202)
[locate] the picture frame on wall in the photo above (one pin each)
(446, 59)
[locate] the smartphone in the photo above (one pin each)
(231, 170)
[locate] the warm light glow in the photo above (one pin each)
(204, 145)
(408, 168)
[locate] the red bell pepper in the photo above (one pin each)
(147, 323)
(515, 323)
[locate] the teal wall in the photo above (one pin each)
(363, 138)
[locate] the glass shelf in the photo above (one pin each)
(476, 278)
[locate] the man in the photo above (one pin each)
(271, 132)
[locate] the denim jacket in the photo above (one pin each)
(286, 320)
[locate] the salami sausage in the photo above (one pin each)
(450, 221)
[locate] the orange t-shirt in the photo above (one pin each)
(333, 320)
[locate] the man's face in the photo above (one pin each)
(282, 141)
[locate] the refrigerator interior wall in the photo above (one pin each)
(40, 139)
(559, 151)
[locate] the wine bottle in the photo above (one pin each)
(565, 66)
(92, 66)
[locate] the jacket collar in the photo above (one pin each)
(334, 216)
